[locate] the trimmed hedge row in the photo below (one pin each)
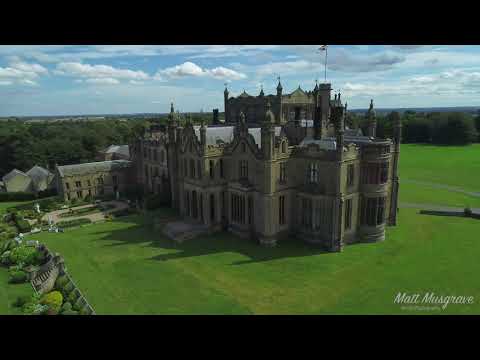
(71, 223)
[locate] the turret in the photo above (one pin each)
(268, 133)
(225, 104)
(317, 114)
(371, 121)
(203, 136)
(279, 101)
(172, 125)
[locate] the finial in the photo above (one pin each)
(171, 108)
(335, 97)
(339, 96)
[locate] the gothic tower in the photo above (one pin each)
(371, 121)
(225, 106)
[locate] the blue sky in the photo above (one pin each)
(60, 80)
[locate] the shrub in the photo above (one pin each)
(71, 223)
(22, 300)
(73, 296)
(23, 225)
(66, 307)
(5, 258)
(69, 312)
(17, 277)
(25, 254)
(61, 281)
(53, 300)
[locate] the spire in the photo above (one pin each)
(261, 90)
(316, 85)
(226, 89)
(279, 86)
(171, 108)
(371, 104)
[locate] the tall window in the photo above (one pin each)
(221, 168)
(373, 211)
(375, 173)
(348, 214)
(199, 165)
(89, 183)
(192, 168)
(187, 202)
(78, 184)
(146, 173)
(283, 172)
(79, 194)
(243, 169)
(238, 208)
(211, 164)
(313, 173)
(212, 207)
(350, 175)
(67, 185)
(284, 147)
(281, 210)
(307, 213)
(250, 210)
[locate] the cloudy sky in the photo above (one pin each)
(61, 80)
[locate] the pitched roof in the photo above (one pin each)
(225, 134)
(92, 168)
(12, 174)
(117, 149)
(38, 173)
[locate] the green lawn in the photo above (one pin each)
(125, 267)
(10, 292)
(450, 165)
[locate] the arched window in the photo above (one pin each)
(284, 147)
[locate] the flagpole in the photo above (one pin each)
(326, 54)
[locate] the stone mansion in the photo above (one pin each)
(281, 165)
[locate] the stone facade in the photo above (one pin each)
(98, 179)
(272, 172)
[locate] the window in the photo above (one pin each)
(350, 175)
(68, 196)
(283, 176)
(79, 194)
(348, 214)
(250, 210)
(307, 213)
(238, 208)
(284, 147)
(313, 173)
(212, 208)
(383, 173)
(67, 185)
(192, 168)
(281, 210)
(211, 164)
(373, 211)
(78, 184)
(221, 168)
(199, 165)
(243, 169)
(146, 172)
(89, 183)
(375, 173)
(89, 193)
(187, 203)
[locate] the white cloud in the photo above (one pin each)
(191, 69)
(81, 70)
(20, 72)
(103, 81)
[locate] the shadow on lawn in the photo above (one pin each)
(143, 233)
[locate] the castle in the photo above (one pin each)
(281, 165)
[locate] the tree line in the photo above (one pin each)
(446, 128)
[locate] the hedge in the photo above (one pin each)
(17, 277)
(16, 196)
(26, 255)
(50, 203)
(23, 225)
(71, 223)
(54, 300)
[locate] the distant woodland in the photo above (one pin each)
(25, 144)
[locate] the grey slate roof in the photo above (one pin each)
(91, 168)
(118, 149)
(225, 134)
(38, 173)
